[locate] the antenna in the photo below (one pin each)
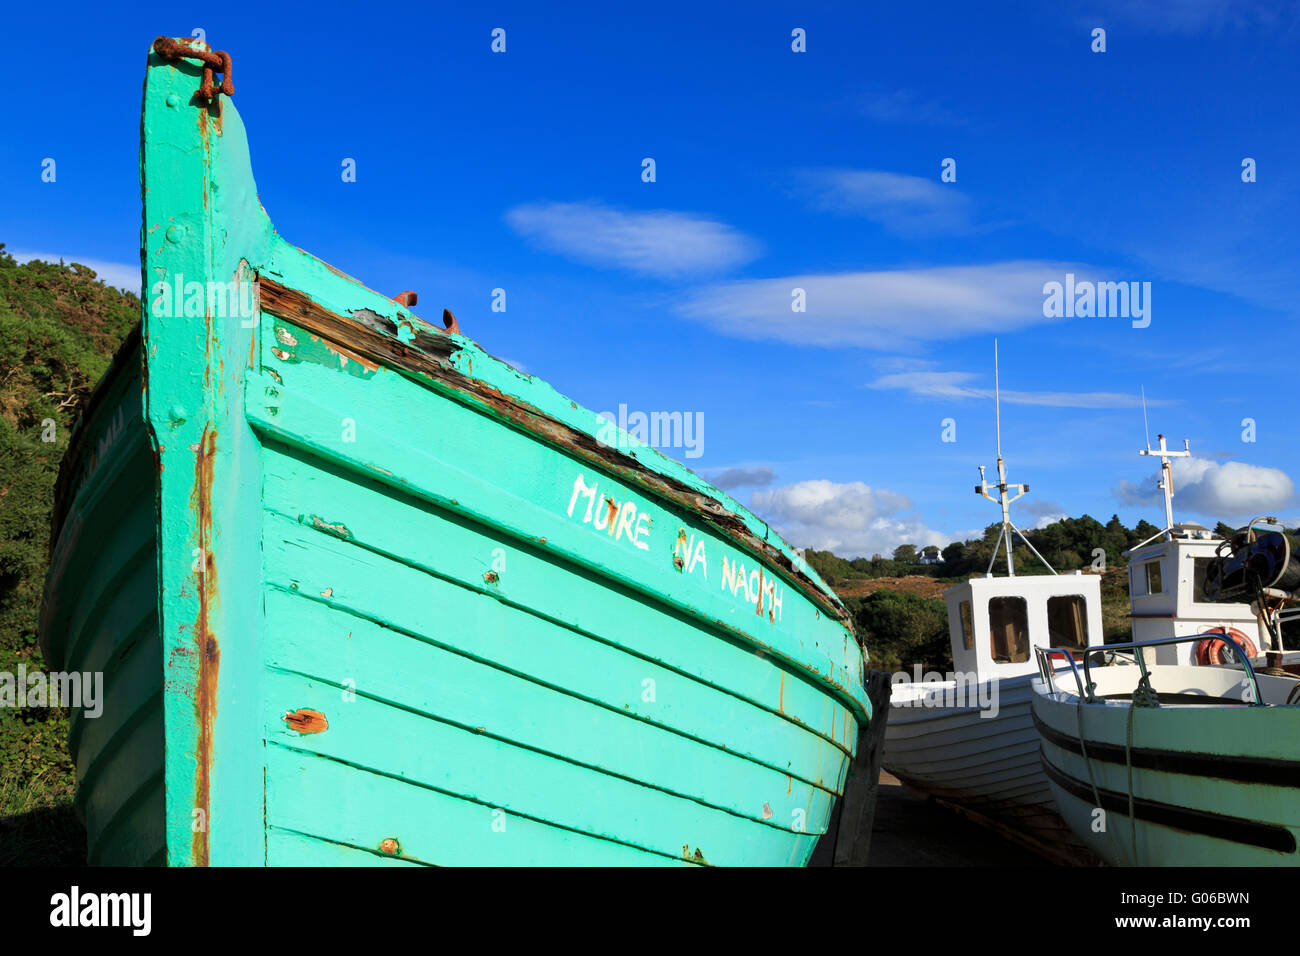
(1145, 426)
(997, 399)
(1166, 483)
(1021, 490)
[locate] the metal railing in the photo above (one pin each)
(1086, 686)
(1047, 672)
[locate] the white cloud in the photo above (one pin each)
(881, 309)
(122, 275)
(1217, 490)
(656, 243)
(953, 385)
(909, 205)
(852, 519)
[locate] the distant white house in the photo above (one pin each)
(929, 555)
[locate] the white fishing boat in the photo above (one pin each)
(1173, 764)
(968, 739)
(1155, 761)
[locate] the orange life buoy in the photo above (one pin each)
(1215, 650)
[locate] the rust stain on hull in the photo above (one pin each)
(206, 647)
(307, 721)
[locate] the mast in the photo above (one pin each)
(1166, 477)
(1003, 487)
(1166, 483)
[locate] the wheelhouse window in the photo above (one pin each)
(1136, 581)
(1152, 571)
(1009, 630)
(1200, 567)
(1067, 621)
(967, 626)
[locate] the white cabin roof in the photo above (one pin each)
(995, 637)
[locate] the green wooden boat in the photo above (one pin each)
(364, 594)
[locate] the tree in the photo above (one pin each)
(904, 629)
(1141, 531)
(906, 553)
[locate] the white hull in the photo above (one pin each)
(1213, 784)
(989, 765)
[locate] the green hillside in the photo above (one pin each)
(59, 327)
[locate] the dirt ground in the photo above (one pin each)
(917, 584)
(913, 832)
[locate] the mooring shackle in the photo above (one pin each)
(169, 49)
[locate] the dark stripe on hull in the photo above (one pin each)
(1233, 829)
(1265, 770)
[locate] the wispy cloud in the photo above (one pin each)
(730, 478)
(515, 364)
(1219, 490)
(881, 309)
(908, 205)
(851, 518)
(122, 275)
(955, 385)
(657, 243)
(908, 106)
(1197, 16)
(1215, 245)
(1043, 512)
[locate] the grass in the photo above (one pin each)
(38, 822)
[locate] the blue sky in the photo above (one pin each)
(774, 170)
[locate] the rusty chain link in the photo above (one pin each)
(220, 60)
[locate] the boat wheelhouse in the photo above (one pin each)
(1166, 586)
(996, 622)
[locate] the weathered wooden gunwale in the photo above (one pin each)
(375, 337)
